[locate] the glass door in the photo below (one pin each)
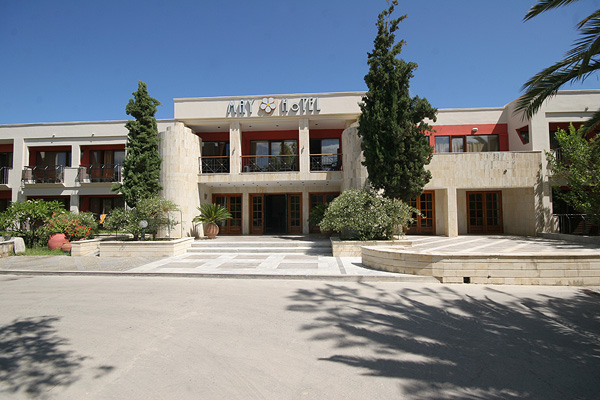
(484, 211)
(233, 203)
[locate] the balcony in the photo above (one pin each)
(44, 174)
(100, 173)
(280, 163)
(4, 175)
(214, 165)
(325, 162)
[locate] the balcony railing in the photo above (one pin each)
(4, 175)
(281, 163)
(214, 165)
(576, 224)
(44, 174)
(325, 162)
(97, 173)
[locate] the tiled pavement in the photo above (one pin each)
(277, 258)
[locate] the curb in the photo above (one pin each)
(346, 278)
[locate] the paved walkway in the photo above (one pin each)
(220, 263)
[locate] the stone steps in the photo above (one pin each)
(317, 247)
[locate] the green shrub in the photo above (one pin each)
(74, 225)
(365, 215)
(25, 219)
(153, 210)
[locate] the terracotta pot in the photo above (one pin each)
(211, 230)
(56, 241)
(66, 247)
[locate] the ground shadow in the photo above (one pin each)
(441, 344)
(35, 359)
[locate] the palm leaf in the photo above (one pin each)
(545, 5)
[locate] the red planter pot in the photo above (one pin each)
(211, 230)
(57, 240)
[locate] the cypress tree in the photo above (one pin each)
(394, 135)
(141, 167)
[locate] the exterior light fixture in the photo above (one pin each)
(474, 130)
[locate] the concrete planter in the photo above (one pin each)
(353, 248)
(163, 248)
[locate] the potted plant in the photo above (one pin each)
(67, 226)
(211, 214)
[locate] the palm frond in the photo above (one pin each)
(545, 5)
(590, 124)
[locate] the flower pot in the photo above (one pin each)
(211, 230)
(66, 247)
(56, 241)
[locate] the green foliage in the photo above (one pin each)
(316, 214)
(24, 219)
(577, 165)
(365, 215)
(578, 64)
(154, 210)
(74, 225)
(211, 214)
(141, 167)
(394, 135)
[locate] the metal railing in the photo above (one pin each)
(4, 175)
(44, 174)
(281, 163)
(576, 224)
(100, 173)
(214, 165)
(325, 162)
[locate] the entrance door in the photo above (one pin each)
(423, 224)
(275, 214)
(256, 213)
(484, 210)
(233, 203)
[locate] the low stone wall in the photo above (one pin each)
(581, 269)
(85, 247)
(163, 248)
(571, 238)
(7, 248)
(353, 248)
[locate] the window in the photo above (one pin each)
(215, 149)
(471, 143)
(103, 205)
(51, 158)
(107, 157)
(6, 160)
(272, 156)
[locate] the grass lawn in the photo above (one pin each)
(42, 251)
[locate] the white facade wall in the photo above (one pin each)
(519, 173)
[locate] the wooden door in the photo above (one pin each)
(233, 203)
(423, 224)
(484, 212)
(294, 213)
(256, 213)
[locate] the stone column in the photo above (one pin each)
(235, 148)
(451, 212)
(304, 146)
(180, 151)
(20, 160)
(305, 212)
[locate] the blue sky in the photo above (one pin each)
(77, 60)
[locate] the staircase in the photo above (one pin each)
(308, 245)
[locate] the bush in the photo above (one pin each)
(365, 215)
(74, 225)
(154, 210)
(25, 219)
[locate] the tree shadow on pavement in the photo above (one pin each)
(34, 358)
(442, 344)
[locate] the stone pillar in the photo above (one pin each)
(451, 212)
(75, 155)
(180, 151)
(74, 201)
(235, 148)
(304, 146)
(305, 212)
(20, 160)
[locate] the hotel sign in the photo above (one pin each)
(302, 106)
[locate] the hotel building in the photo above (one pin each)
(270, 159)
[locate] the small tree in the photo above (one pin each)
(392, 126)
(577, 165)
(141, 167)
(25, 219)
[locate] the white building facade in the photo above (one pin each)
(270, 159)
